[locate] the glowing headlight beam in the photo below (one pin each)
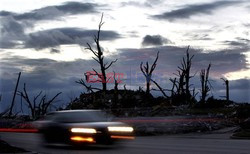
(83, 130)
(120, 129)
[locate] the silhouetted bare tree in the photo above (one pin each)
(174, 85)
(147, 72)
(205, 83)
(99, 58)
(186, 67)
(37, 107)
(88, 87)
(160, 88)
(124, 87)
(183, 87)
(180, 83)
(226, 82)
(180, 92)
(14, 95)
(116, 92)
(116, 82)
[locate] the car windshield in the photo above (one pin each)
(82, 116)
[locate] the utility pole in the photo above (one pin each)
(14, 96)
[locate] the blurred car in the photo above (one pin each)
(83, 127)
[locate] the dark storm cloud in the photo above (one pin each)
(12, 31)
(76, 7)
(241, 84)
(240, 96)
(154, 40)
(42, 74)
(43, 66)
(14, 25)
(6, 13)
(46, 70)
(62, 36)
(223, 61)
(239, 89)
(190, 10)
(13, 36)
(234, 43)
(54, 12)
(53, 50)
(238, 42)
(11, 27)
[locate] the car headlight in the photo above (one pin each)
(83, 130)
(82, 139)
(120, 129)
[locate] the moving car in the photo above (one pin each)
(83, 127)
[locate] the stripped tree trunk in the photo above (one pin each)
(14, 96)
(205, 84)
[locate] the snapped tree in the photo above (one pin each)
(180, 91)
(205, 83)
(99, 58)
(147, 72)
(14, 95)
(226, 82)
(37, 107)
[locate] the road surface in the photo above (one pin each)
(172, 144)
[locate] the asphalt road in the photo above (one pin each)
(172, 144)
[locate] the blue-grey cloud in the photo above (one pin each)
(6, 13)
(54, 50)
(12, 32)
(190, 10)
(14, 25)
(238, 89)
(42, 74)
(62, 36)
(238, 42)
(13, 36)
(241, 84)
(154, 40)
(234, 43)
(54, 12)
(223, 61)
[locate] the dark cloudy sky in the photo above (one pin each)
(46, 40)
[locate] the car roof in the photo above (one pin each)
(72, 111)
